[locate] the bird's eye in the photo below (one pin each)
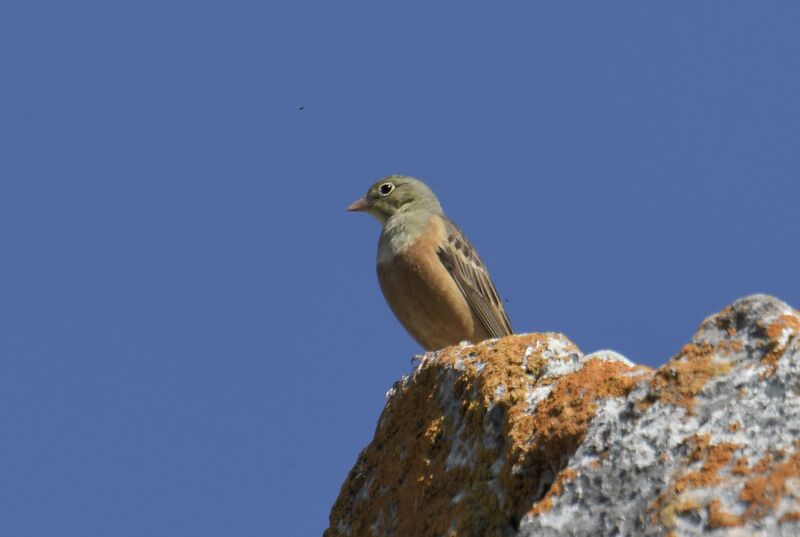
(385, 189)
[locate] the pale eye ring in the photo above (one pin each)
(385, 189)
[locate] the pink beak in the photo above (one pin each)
(361, 204)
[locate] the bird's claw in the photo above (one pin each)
(422, 359)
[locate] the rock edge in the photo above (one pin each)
(527, 436)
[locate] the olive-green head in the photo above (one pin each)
(394, 195)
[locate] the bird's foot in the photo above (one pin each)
(422, 359)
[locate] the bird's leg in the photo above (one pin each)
(422, 359)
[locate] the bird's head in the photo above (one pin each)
(394, 195)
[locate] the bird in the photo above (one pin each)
(430, 274)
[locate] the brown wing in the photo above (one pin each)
(462, 261)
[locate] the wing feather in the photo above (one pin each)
(470, 274)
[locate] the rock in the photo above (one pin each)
(526, 436)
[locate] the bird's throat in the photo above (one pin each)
(399, 232)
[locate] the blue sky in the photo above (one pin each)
(194, 342)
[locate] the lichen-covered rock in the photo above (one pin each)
(526, 436)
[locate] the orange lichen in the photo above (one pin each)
(763, 465)
(685, 376)
(719, 518)
(724, 321)
(741, 466)
(790, 516)
(546, 503)
(761, 493)
(713, 458)
(764, 492)
(543, 441)
(400, 475)
(729, 346)
(699, 444)
(775, 349)
(679, 506)
(403, 484)
(774, 330)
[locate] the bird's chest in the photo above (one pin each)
(424, 296)
(412, 277)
